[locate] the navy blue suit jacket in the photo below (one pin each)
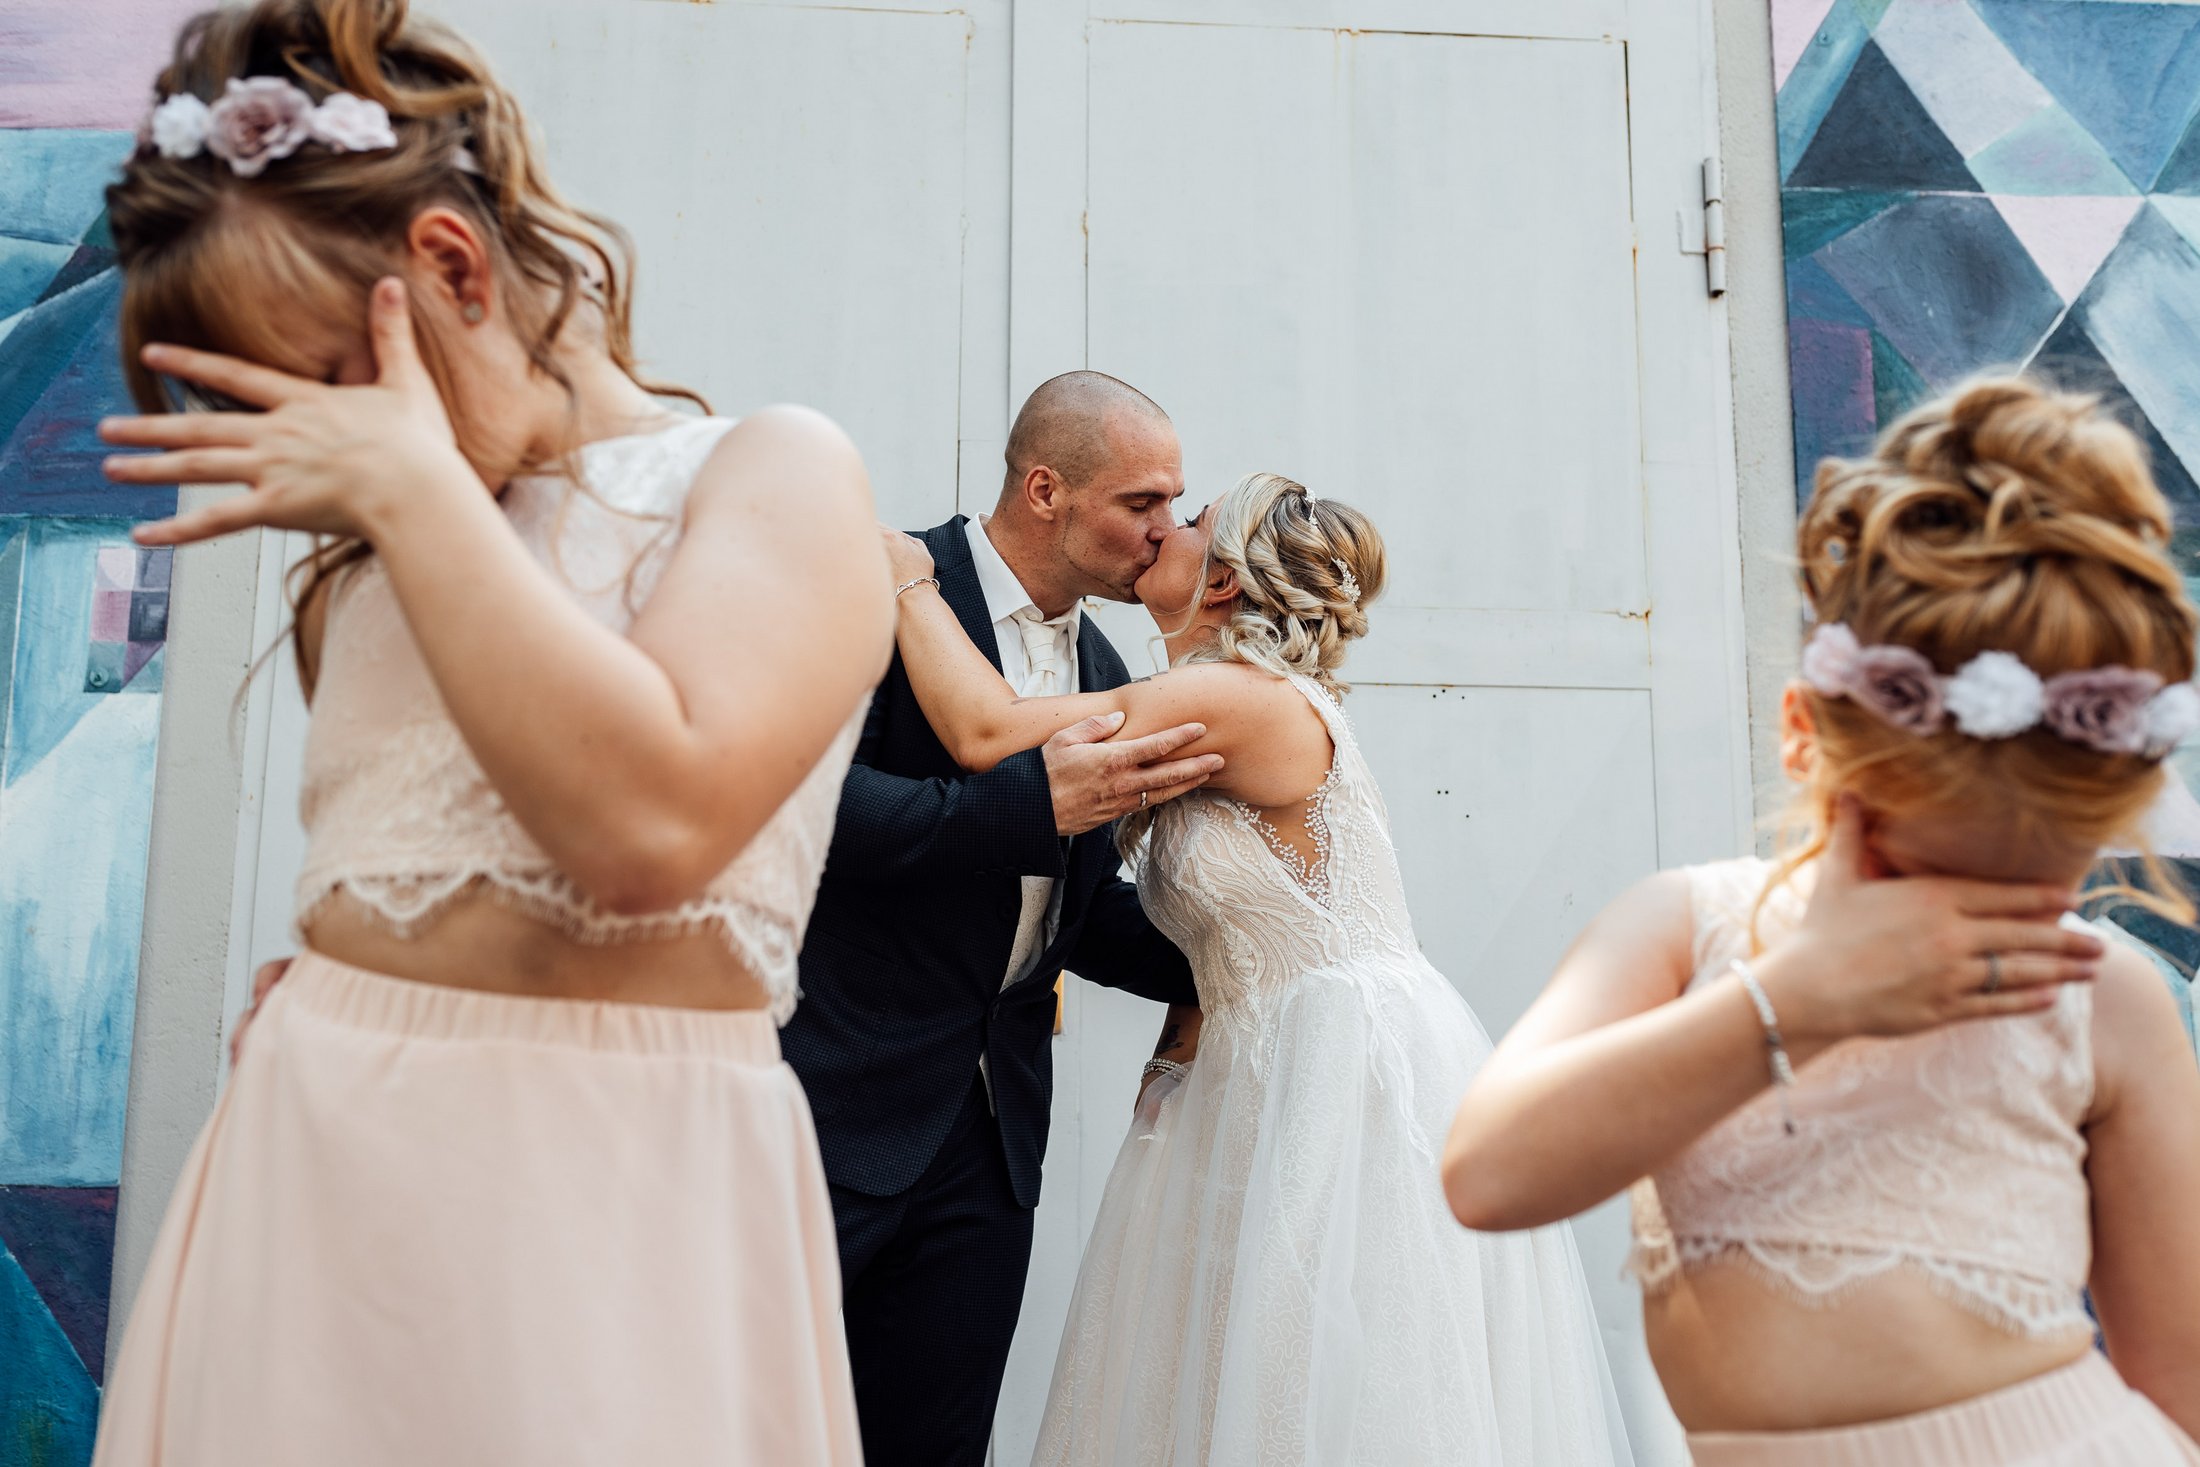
(902, 968)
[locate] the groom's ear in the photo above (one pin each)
(1043, 490)
(1222, 585)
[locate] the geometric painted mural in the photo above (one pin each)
(83, 627)
(1968, 184)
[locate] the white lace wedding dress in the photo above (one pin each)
(1274, 1278)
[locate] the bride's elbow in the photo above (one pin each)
(977, 750)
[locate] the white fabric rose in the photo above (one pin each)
(179, 125)
(1995, 696)
(2172, 716)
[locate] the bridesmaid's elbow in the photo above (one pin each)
(1474, 1187)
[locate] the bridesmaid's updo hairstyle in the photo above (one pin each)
(1307, 568)
(2006, 518)
(232, 256)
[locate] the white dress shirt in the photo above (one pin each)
(1016, 620)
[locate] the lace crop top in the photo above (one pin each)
(398, 814)
(1955, 1153)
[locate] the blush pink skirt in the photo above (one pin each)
(2082, 1415)
(429, 1226)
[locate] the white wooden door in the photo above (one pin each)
(1418, 253)
(1423, 257)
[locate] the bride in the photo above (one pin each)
(1274, 1277)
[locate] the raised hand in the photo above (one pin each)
(906, 556)
(1895, 955)
(325, 459)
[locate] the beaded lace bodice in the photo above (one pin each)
(1250, 913)
(1955, 1153)
(400, 817)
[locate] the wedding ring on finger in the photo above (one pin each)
(1993, 973)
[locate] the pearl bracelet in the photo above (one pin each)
(932, 581)
(1164, 1067)
(1783, 1071)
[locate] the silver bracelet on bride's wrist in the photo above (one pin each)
(932, 581)
(1783, 1071)
(1163, 1067)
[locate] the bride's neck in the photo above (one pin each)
(1191, 639)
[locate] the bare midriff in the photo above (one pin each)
(485, 945)
(1736, 1356)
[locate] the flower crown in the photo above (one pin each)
(2116, 710)
(259, 119)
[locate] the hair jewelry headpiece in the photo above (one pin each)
(258, 119)
(2117, 710)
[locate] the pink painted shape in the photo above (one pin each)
(134, 658)
(116, 568)
(1794, 23)
(2067, 237)
(110, 616)
(69, 63)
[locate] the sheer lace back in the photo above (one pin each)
(1253, 911)
(1955, 1153)
(1306, 857)
(401, 819)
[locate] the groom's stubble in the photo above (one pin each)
(1094, 470)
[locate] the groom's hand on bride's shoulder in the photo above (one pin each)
(1094, 781)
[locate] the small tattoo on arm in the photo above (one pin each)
(1172, 1039)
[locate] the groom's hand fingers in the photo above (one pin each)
(1158, 746)
(1165, 793)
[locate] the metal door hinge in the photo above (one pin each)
(1705, 234)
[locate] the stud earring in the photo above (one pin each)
(473, 311)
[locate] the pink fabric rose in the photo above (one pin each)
(258, 120)
(352, 124)
(1899, 685)
(1829, 659)
(2104, 708)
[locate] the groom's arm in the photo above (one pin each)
(1012, 818)
(1121, 948)
(891, 826)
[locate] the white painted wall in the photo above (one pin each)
(1420, 253)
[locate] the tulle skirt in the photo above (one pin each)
(1274, 1277)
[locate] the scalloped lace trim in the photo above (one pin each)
(408, 902)
(1820, 1276)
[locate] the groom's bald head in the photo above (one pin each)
(1074, 423)
(1094, 472)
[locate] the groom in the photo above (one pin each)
(950, 905)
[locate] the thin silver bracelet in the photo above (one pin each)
(932, 581)
(1783, 1071)
(1164, 1067)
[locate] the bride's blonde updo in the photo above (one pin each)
(1307, 568)
(2004, 517)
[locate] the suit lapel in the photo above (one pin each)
(959, 587)
(1088, 658)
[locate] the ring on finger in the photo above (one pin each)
(1993, 973)
(1142, 796)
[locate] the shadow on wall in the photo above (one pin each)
(1980, 183)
